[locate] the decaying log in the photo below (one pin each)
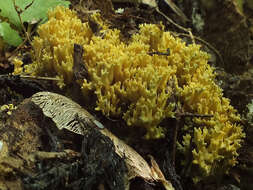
(27, 140)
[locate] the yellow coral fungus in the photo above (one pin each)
(53, 49)
(131, 82)
(8, 108)
(18, 69)
(125, 75)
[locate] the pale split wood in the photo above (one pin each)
(64, 112)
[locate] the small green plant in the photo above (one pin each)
(14, 13)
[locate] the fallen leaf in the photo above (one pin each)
(9, 35)
(36, 11)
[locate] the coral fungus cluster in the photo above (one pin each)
(53, 53)
(131, 81)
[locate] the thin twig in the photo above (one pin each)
(194, 115)
(204, 42)
(174, 143)
(39, 78)
(167, 53)
(188, 30)
(32, 77)
(19, 12)
(17, 48)
(42, 155)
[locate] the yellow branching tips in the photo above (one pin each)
(53, 49)
(128, 81)
(133, 82)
